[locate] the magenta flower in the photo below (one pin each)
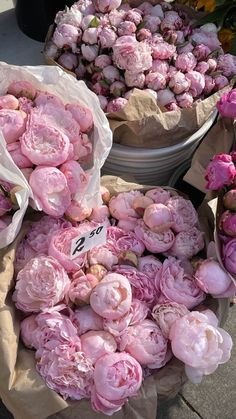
(220, 172)
(227, 104)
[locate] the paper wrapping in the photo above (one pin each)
(220, 139)
(22, 389)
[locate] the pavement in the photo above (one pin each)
(214, 398)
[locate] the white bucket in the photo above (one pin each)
(153, 166)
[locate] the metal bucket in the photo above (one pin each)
(153, 166)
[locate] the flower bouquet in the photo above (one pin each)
(105, 324)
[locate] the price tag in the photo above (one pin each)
(88, 240)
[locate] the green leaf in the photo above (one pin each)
(233, 46)
(94, 22)
(140, 26)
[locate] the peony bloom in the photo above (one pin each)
(220, 172)
(227, 223)
(68, 60)
(121, 206)
(227, 104)
(202, 67)
(187, 243)
(209, 84)
(60, 247)
(151, 23)
(160, 66)
(220, 82)
(129, 54)
(85, 319)
(126, 28)
(88, 18)
(105, 255)
(111, 391)
(67, 371)
(165, 98)
(66, 35)
(151, 267)
(22, 88)
(111, 73)
(158, 217)
(27, 328)
(171, 21)
(185, 100)
(197, 82)
(162, 50)
(209, 39)
(227, 64)
(212, 279)
(183, 212)
(89, 52)
(42, 283)
(75, 176)
(143, 34)
(154, 242)
(177, 286)
(229, 256)
(134, 15)
(96, 344)
(178, 83)
(100, 214)
(19, 159)
(134, 79)
(107, 37)
(165, 314)
(5, 204)
(202, 346)
(24, 253)
(9, 102)
(50, 190)
(185, 62)
(12, 124)
(102, 61)
(229, 199)
(106, 6)
(201, 52)
(145, 342)
(116, 105)
(158, 195)
(72, 16)
(90, 36)
(111, 298)
(126, 225)
(117, 89)
(155, 81)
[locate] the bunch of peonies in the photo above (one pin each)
(48, 141)
(116, 48)
(99, 321)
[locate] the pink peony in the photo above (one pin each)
(187, 243)
(111, 298)
(166, 314)
(145, 342)
(22, 88)
(16, 154)
(85, 319)
(177, 286)
(155, 81)
(229, 256)
(126, 225)
(220, 82)
(197, 82)
(185, 100)
(72, 16)
(126, 28)
(227, 223)
(111, 391)
(185, 62)
(67, 371)
(105, 6)
(202, 67)
(9, 102)
(24, 253)
(212, 279)
(201, 52)
(183, 212)
(209, 39)
(89, 52)
(68, 60)
(178, 83)
(201, 345)
(162, 50)
(12, 124)
(134, 79)
(121, 206)
(158, 217)
(220, 172)
(116, 17)
(158, 195)
(81, 287)
(151, 23)
(227, 104)
(165, 97)
(160, 66)
(111, 73)
(100, 214)
(75, 176)
(134, 15)
(5, 204)
(103, 102)
(118, 88)
(151, 267)
(171, 21)
(116, 105)
(42, 283)
(90, 36)
(227, 64)
(229, 198)
(107, 37)
(129, 54)
(122, 241)
(27, 328)
(209, 84)
(96, 344)
(143, 34)
(50, 190)
(154, 242)
(102, 61)
(105, 255)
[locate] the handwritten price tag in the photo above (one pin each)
(87, 241)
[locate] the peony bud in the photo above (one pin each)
(229, 200)
(227, 223)
(9, 102)
(68, 61)
(22, 88)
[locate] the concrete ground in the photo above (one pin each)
(214, 398)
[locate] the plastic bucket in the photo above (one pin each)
(153, 166)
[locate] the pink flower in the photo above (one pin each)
(160, 66)
(212, 63)
(157, 11)
(145, 8)
(25, 104)
(143, 288)
(50, 190)
(165, 97)
(96, 344)
(40, 284)
(19, 159)
(67, 371)
(60, 247)
(100, 214)
(90, 36)
(151, 267)
(111, 391)
(80, 70)
(27, 327)
(85, 319)
(158, 195)
(143, 34)
(206, 274)
(185, 100)
(187, 243)
(72, 16)
(116, 105)
(202, 346)
(22, 88)
(220, 82)
(89, 52)
(184, 213)
(197, 82)
(66, 35)
(227, 64)
(111, 298)
(227, 104)
(166, 314)
(121, 206)
(227, 223)
(81, 287)
(12, 124)
(103, 102)
(178, 83)
(177, 286)
(105, 255)
(87, 19)
(105, 6)
(5, 204)
(229, 199)
(145, 342)
(68, 60)
(129, 54)
(126, 28)
(24, 253)
(141, 203)
(171, 21)
(44, 145)
(134, 15)
(151, 23)
(220, 172)
(134, 79)
(76, 178)
(102, 61)
(209, 39)
(185, 62)
(85, 6)
(201, 52)
(229, 256)
(155, 81)
(118, 88)
(111, 73)
(9, 102)
(123, 241)
(154, 242)
(163, 50)
(209, 84)
(158, 217)
(41, 232)
(116, 17)
(107, 37)
(126, 225)
(202, 67)
(43, 99)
